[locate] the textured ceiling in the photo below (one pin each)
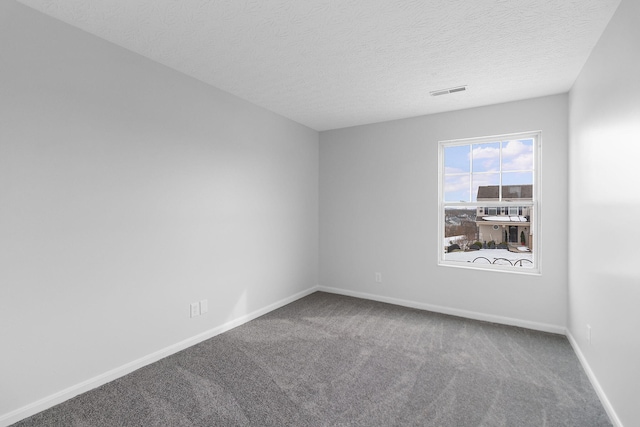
(330, 64)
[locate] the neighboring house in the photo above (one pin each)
(509, 224)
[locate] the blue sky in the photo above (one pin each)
(469, 166)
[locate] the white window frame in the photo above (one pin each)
(533, 204)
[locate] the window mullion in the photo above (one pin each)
(500, 169)
(471, 172)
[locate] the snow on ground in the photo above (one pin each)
(452, 239)
(491, 256)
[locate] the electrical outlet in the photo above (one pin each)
(204, 306)
(378, 277)
(195, 309)
(589, 334)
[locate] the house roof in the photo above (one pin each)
(491, 192)
(503, 218)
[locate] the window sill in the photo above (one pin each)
(491, 268)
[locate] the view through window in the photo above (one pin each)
(488, 202)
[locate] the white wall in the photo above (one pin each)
(127, 191)
(379, 213)
(604, 279)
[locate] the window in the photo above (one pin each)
(488, 200)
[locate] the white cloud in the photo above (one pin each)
(517, 156)
(456, 183)
(486, 153)
(451, 170)
(486, 158)
(515, 148)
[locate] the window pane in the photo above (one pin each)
(456, 188)
(502, 239)
(485, 186)
(517, 155)
(495, 182)
(517, 178)
(459, 227)
(486, 157)
(456, 159)
(517, 186)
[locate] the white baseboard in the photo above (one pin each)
(544, 327)
(594, 382)
(66, 394)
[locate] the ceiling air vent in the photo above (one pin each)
(448, 91)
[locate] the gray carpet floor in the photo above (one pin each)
(330, 360)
